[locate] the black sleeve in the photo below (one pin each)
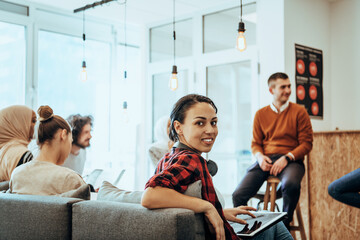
(26, 157)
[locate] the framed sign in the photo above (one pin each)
(309, 80)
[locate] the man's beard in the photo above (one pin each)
(82, 145)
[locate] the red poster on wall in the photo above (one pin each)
(309, 77)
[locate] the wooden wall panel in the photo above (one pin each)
(334, 154)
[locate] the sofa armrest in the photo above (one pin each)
(35, 217)
(114, 220)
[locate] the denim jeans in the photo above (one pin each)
(276, 232)
(346, 189)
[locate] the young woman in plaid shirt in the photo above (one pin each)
(194, 128)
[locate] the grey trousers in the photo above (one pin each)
(290, 179)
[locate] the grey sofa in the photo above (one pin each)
(51, 217)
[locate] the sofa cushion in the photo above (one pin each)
(35, 217)
(4, 185)
(109, 192)
(82, 192)
(115, 220)
(194, 189)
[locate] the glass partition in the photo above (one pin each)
(162, 44)
(60, 86)
(125, 123)
(229, 87)
(12, 64)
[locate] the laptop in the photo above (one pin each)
(254, 226)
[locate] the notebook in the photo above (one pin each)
(263, 221)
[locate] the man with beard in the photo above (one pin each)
(81, 133)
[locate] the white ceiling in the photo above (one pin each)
(139, 12)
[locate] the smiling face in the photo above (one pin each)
(199, 129)
(281, 90)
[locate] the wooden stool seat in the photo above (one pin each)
(270, 196)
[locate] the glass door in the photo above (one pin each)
(231, 87)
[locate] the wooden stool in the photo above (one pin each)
(270, 192)
(270, 195)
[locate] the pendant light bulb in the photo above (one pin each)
(173, 83)
(83, 72)
(241, 41)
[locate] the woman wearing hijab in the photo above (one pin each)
(45, 175)
(16, 131)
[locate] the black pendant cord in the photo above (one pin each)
(240, 10)
(174, 33)
(84, 36)
(125, 42)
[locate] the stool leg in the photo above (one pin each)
(301, 223)
(273, 196)
(266, 197)
(300, 226)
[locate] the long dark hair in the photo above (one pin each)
(180, 109)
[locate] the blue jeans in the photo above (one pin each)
(276, 232)
(346, 189)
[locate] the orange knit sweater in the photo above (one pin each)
(281, 133)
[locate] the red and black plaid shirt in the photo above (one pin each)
(178, 169)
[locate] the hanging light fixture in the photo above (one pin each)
(125, 44)
(83, 65)
(173, 83)
(241, 41)
(125, 104)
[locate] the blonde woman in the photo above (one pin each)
(16, 131)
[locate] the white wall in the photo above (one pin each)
(270, 42)
(345, 63)
(334, 28)
(307, 22)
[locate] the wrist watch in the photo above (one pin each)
(287, 158)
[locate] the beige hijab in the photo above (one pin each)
(15, 123)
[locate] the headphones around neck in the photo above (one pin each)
(212, 166)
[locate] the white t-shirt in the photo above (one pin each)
(43, 178)
(76, 162)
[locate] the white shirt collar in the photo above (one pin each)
(282, 108)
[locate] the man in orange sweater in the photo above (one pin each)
(282, 136)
